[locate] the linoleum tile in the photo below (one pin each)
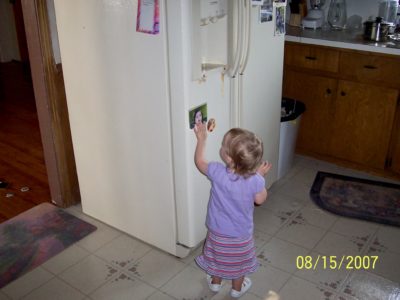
(323, 270)
(336, 244)
(267, 221)
(156, 268)
(27, 283)
(355, 228)
(55, 289)
(123, 250)
(65, 259)
(283, 204)
(268, 278)
(299, 232)
(188, 284)
(89, 274)
(386, 265)
(160, 296)
(318, 217)
(387, 237)
(281, 254)
(300, 289)
(123, 287)
(367, 286)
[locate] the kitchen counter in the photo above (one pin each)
(346, 39)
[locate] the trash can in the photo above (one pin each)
(291, 111)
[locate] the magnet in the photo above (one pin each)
(211, 125)
(198, 115)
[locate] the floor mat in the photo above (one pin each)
(31, 238)
(357, 198)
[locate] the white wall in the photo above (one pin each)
(8, 36)
(9, 49)
(363, 8)
(53, 31)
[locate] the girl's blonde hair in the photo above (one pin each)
(245, 149)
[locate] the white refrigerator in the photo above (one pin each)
(130, 93)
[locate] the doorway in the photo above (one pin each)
(22, 168)
(35, 138)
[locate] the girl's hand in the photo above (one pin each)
(264, 168)
(201, 132)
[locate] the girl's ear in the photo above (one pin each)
(229, 161)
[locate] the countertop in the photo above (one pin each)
(347, 39)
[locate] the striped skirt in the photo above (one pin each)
(227, 257)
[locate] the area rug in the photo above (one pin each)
(34, 236)
(357, 198)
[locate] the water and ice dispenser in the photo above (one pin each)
(209, 36)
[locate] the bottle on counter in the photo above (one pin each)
(397, 22)
(388, 10)
(337, 14)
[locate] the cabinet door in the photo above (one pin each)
(311, 57)
(318, 94)
(363, 123)
(395, 154)
(373, 69)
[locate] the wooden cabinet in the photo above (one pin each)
(315, 58)
(351, 104)
(317, 93)
(372, 69)
(394, 156)
(363, 123)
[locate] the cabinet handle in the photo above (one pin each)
(311, 57)
(370, 67)
(328, 91)
(342, 93)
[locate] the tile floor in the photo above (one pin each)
(109, 264)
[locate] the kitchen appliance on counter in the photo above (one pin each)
(337, 14)
(315, 16)
(130, 95)
(388, 10)
(377, 30)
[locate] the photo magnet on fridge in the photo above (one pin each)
(266, 11)
(198, 115)
(279, 12)
(256, 2)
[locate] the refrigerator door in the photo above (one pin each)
(260, 88)
(117, 88)
(191, 187)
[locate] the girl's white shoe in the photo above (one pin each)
(245, 287)
(213, 286)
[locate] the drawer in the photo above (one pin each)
(370, 68)
(312, 57)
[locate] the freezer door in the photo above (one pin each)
(117, 88)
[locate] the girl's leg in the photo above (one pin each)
(216, 280)
(237, 283)
(240, 286)
(214, 283)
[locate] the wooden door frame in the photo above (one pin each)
(51, 106)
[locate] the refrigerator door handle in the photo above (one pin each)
(246, 39)
(233, 69)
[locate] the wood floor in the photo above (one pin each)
(21, 152)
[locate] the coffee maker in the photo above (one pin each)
(315, 15)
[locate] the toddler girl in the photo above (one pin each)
(229, 251)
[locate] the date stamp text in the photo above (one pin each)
(332, 262)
